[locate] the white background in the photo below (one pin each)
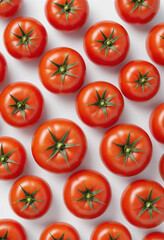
(57, 106)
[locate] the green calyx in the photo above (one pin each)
(148, 204)
(63, 69)
(110, 237)
(67, 8)
(128, 149)
(4, 158)
(29, 199)
(4, 236)
(139, 4)
(143, 80)
(108, 42)
(61, 238)
(162, 37)
(7, 1)
(89, 197)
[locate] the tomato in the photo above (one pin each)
(62, 70)
(139, 80)
(99, 104)
(12, 158)
(30, 197)
(161, 167)
(25, 38)
(87, 194)
(3, 68)
(111, 231)
(67, 15)
(154, 236)
(59, 146)
(156, 123)
(9, 8)
(155, 44)
(142, 203)
(11, 229)
(137, 11)
(126, 149)
(59, 231)
(21, 104)
(106, 43)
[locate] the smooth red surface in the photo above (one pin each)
(154, 236)
(9, 10)
(3, 68)
(161, 167)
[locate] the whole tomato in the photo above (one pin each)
(87, 194)
(59, 146)
(161, 167)
(137, 11)
(61, 231)
(67, 15)
(111, 231)
(25, 38)
(3, 68)
(139, 80)
(11, 229)
(9, 8)
(126, 150)
(142, 203)
(156, 123)
(30, 197)
(62, 70)
(106, 43)
(155, 44)
(154, 236)
(99, 104)
(12, 158)
(21, 104)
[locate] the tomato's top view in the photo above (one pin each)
(3, 68)
(154, 236)
(9, 8)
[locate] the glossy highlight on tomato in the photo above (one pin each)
(154, 236)
(161, 167)
(3, 68)
(9, 8)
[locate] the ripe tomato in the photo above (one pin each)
(142, 203)
(126, 149)
(155, 44)
(137, 11)
(9, 8)
(30, 197)
(60, 231)
(87, 194)
(21, 104)
(161, 167)
(59, 146)
(139, 80)
(67, 15)
(111, 231)
(99, 104)
(3, 68)
(156, 123)
(25, 38)
(11, 229)
(106, 43)
(154, 236)
(12, 158)
(62, 70)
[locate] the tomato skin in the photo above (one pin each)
(15, 229)
(155, 44)
(130, 73)
(30, 184)
(9, 10)
(58, 229)
(154, 236)
(3, 68)
(91, 46)
(27, 24)
(93, 116)
(94, 181)
(137, 17)
(132, 205)
(102, 231)
(70, 84)
(59, 21)
(161, 167)
(156, 123)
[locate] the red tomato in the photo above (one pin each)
(106, 43)
(30, 197)
(60, 231)
(3, 68)
(156, 123)
(9, 8)
(161, 167)
(126, 150)
(62, 70)
(12, 158)
(139, 80)
(12, 230)
(142, 203)
(67, 15)
(154, 236)
(87, 194)
(155, 44)
(99, 104)
(21, 104)
(25, 38)
(111, 231)
(137, 11)
(59, 146)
